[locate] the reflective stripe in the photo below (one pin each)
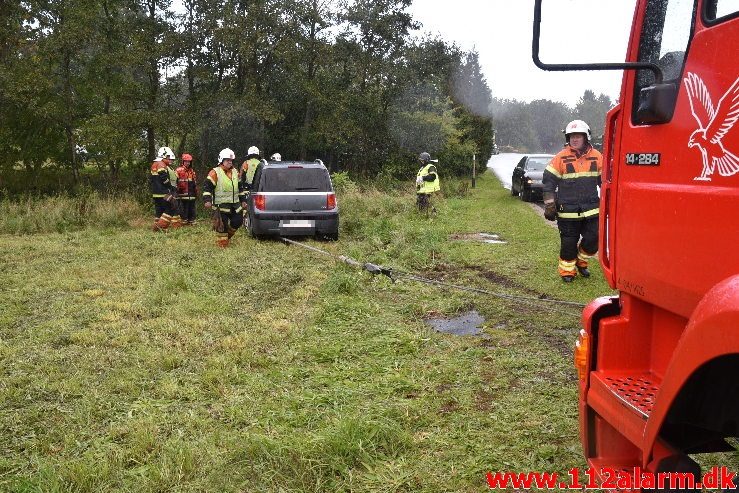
(553, 171)
(228, 209)
(577, 215)
(159, 195)
(570, 176)
(583, 255)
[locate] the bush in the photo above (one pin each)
(343, 184)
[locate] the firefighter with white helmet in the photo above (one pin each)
(222, 191)
(571, 182)
(163, 185)
(427, 182)
(276, 157)
(249, 167)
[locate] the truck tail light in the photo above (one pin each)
(582, 348)
(331, 201)
(260, 202)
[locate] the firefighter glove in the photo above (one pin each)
(550, 211)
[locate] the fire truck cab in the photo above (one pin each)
(659, 363)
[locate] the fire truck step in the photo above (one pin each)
(610, 392)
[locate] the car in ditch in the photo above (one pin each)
(292, 198)
(526, 181)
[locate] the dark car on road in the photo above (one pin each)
(292, 198)
(527, 176)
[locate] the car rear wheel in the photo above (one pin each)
(249, 225)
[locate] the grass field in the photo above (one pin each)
(131, 361)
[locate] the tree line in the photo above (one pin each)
(101, 84)
(537, 126)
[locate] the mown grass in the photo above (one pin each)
(131, 361)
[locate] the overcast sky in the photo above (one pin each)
(573, 31)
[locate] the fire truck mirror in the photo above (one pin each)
(656, 104)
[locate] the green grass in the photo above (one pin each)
(131, 361)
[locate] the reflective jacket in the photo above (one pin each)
(575, 178)
(248, 169)
(160, 180)
(427, 180)
(187, 185)
(223, 189)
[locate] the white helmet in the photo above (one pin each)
(577, 127)
(165, 152)
(276, 157)
(253, 150)
(226, 154)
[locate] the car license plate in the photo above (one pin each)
(296, 223)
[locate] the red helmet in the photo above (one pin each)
(186, 157)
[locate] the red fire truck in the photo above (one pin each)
(659, 363)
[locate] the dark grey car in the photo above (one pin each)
(527, 176)
(293, 198)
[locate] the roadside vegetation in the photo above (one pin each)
(131, 361)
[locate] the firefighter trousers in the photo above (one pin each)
(574, 251)
(188, 210)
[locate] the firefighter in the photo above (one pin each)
(427, 183)
(249, 167)
(162, 182)
(222, 191)
(276, 157)
(187, 188)
(571, 182)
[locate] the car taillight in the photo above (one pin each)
(331, 201)
(260, 202)
(582, 348)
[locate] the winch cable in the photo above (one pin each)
(394, 274)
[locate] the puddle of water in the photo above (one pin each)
(482, 237)
(463, 325)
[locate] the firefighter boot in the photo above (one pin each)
(176, 222)
(582, 261)
(222, 240)
(231, 232)
(566, 269)
(162, 223)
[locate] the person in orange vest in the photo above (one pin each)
(572, 178)
(223, 193)
(187, 189)
(162, 182)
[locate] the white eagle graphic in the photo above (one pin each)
(713, 124)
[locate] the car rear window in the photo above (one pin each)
(296, 180)
(538, 163)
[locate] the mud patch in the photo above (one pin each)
(467, 324)
(491, 238)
